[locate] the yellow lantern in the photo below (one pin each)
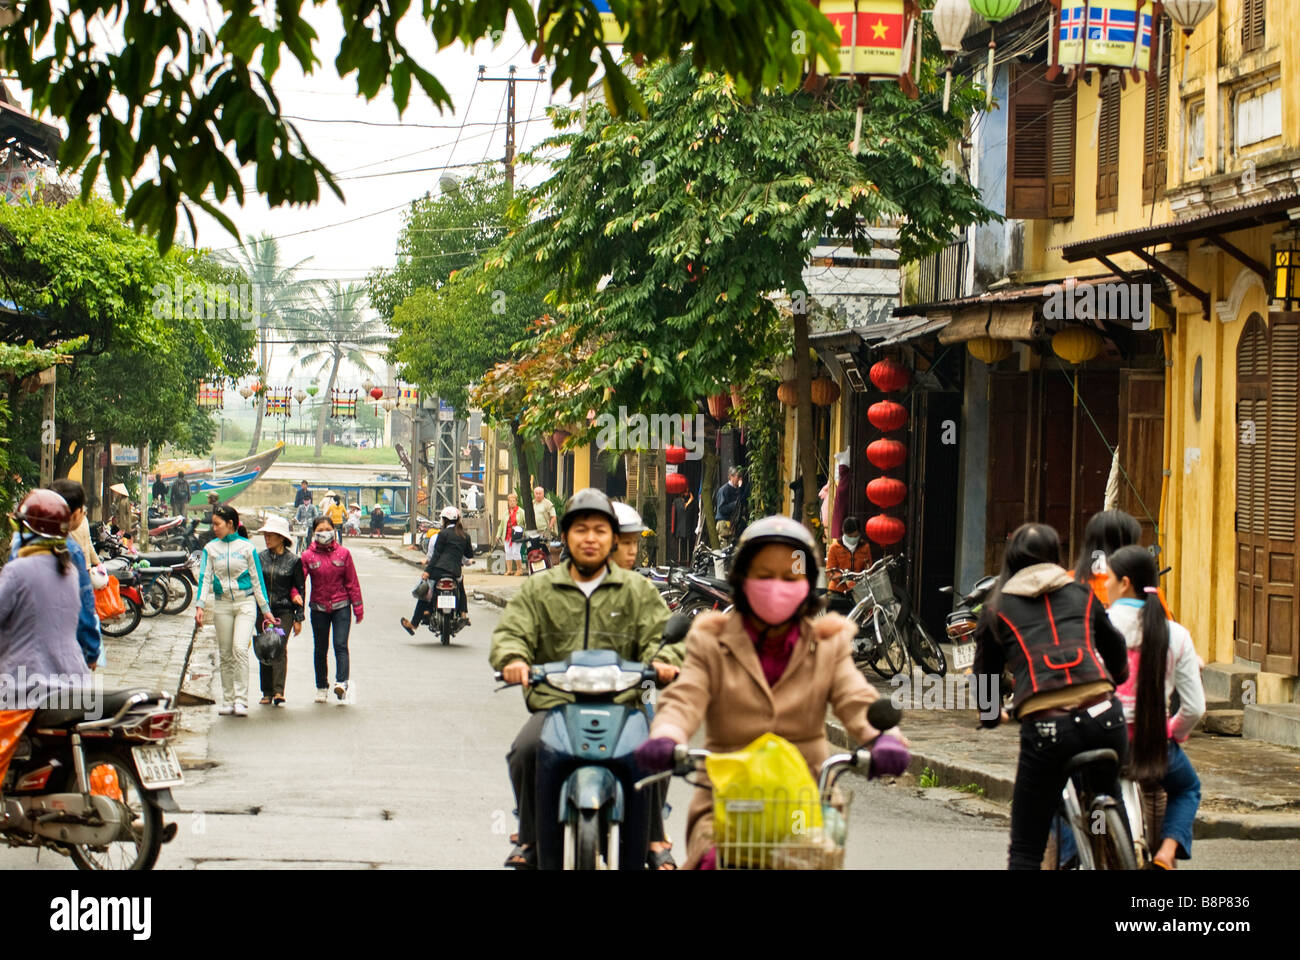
(1076, 344)
(989, 350)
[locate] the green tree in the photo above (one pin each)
(332, 329)
(667, 236)
(192, 107)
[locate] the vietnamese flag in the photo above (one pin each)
(877, 48)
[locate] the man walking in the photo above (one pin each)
(543, 512)
(302, 494)
(158, 491)
(727, 500)
(180, 494)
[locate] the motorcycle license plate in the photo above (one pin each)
(157, 766)
(963, 655)
(446, 603)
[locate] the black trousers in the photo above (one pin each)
(272, 676)
(522, 760)
(425, 607)
(1046, 746)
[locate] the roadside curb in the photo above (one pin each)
(1210, 824)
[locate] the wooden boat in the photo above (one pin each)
(200, 469)
(230, 479)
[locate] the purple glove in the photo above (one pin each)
(889, 757)
(656, 755)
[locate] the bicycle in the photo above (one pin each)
(878, 637)
(1103, 827)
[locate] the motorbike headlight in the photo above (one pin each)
(606, 679)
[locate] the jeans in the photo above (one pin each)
(1046, 746)
(321, 622)
(235, 622)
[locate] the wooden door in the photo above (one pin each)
(1251, 513)
(1141, 447)
(1009, 399)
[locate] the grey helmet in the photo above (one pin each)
(777, 529)
(588, 500)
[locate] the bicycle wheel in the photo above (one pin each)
(889, 644)
(1112, 848)
(155, 594)
(925, 651)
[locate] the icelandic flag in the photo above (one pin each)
(1071, 23)
(1112, 25)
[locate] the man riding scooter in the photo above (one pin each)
(586, 603)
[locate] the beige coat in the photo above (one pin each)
(722, 686)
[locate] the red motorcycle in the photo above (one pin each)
(129, 586)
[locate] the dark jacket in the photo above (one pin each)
(301, 495)
(450, 550)
(726, 500)
(284, 580)
(158, 491)
(1052, 632)
(180, 494)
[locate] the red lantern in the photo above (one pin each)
(735, 395)
(676, 483)
(886, 453)
(887, 415)
(885, 530)
(377, 392)
(889, 375)
(675, 454)
(719, 404)
(886, 492)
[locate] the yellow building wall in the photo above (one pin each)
(581, 468)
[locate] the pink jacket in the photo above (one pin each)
(333, 578)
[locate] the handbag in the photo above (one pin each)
(421, 591)
(108, 600)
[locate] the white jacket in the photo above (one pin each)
(1182, 670)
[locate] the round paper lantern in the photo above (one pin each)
(994, 11)
(719, 404)
(1186, 14)
(256, 386)
(887, 415)
(387, 405)
(376, 392)
(368, 386)
(825, 391)
(951, 18)
(313, 390)
(788, 393)
(676, 483)
(299, 396)
(885, 530)
(886, 492)
(245, 391)
(890, 375)
(989, 350)
(675, 454)
(1076, 344)
(558, 438)
(886, 454)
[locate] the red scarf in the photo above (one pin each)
(510, 525)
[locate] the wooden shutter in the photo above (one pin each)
(1060, 153)
(1280, 635)
(1027, 139)
(1155, 140)
(1252, 477)
(1252, 25)
(1108, 145)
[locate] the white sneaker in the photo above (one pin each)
(226, 710)
(341, 689)
(241, 710)
(321, 694)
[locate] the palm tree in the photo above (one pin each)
(331, 328)
(275, 289)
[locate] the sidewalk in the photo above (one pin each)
(1250, 790)
(491, 587)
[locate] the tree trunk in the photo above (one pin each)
(525, 492)
(322, 416)
(90, 479)
(807, 442)
(706, 493)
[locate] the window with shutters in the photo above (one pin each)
(1040, 146)
(1155, 140)
(1108, 144)
(1252, 25)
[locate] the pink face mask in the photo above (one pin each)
(775, 601)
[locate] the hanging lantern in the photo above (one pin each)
(825, 391)
(989, 350)
(299, 396)
(1286, 269)
(719, 404)
(736, 395)
(890, 375)
(886, 492)
(368, 386)
(388, 405)
(886, 454)
(245, 391)
(559, 436)
(885, 530)
(877, 41)
(788, 393)
(1187, 14)
(951, 19)
(1103, 33)
(256, 386)
(675, 455)
(313, 390)
(676, 483)
(1076, 344)
(376, 392)
(994, 11)
(887, 415)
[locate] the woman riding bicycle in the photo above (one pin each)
(766, 666)
(1162, 659)
(1067, 659)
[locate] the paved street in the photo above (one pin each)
(412, 774)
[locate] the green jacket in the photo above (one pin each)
(550, 617)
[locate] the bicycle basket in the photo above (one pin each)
(882, 587)
(767, 833)
(861, 591)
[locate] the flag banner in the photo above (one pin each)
(610, 30)
(1105, 33)
(873, 37)
(211, 396)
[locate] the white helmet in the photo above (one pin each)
(629, 521)
(450, 513)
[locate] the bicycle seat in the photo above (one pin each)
(1097, 759)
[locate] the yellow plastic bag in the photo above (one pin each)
(764, 798)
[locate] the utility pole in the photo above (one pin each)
(510, 80)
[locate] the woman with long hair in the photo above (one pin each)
(1106, 532)
(335, 600)
(1162, 659)
(232, 587)
(1067, 659)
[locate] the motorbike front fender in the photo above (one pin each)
(590, 788)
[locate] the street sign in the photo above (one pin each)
(445, 410)
(125, 456)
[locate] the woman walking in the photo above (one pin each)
(335, 597)
(286, 588)
(231, 585)
(506, 534)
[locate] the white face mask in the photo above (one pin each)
(851, 542)
(324, 536)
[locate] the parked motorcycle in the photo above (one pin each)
(702, 593)
(101, 804)
(133, 601)
(961, 623)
